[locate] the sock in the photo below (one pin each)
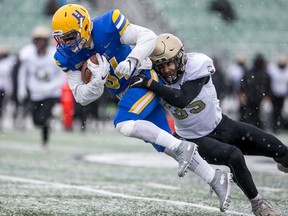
(149, 132)
(168, 140)
(255, 198)
(45, 133)
(200, 167)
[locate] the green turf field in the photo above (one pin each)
(119, 176)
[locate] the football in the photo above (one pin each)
(86, 74)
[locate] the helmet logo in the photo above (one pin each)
(78, 16)
(210, 68)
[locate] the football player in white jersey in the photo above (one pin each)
(40, 79)
(190, 97)
(7, 60)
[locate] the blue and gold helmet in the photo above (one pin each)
(71, 26)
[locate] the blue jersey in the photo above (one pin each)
(106, 33)
(136, 103)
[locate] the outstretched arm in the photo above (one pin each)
(176, 97)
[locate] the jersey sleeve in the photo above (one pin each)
(119, 21)
(60, 61)
(142, 39)
(84, 93)
(113, 21)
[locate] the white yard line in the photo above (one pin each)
(108, 193)
(270, 189)
(162, 186)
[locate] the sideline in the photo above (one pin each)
(108, 193)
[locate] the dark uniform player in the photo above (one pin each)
(191, 99)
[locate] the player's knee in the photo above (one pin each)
(125, 127)
(38, 121)
(283, 152)
(282, 157)
(236, 157)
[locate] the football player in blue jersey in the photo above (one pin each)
(110, 37)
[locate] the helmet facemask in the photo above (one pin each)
(175, 64)
(69, 43)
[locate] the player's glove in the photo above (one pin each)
(127, 66)
(139, 81)
(99, 71)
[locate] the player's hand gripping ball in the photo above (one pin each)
(86, 74)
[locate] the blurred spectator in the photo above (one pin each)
(224, 9)
(235, 73)
(278, 72)
(6, 65)
(40, 79)
(254, 88)
(219, 80)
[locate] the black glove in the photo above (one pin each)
(139, 81)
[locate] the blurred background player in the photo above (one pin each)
(278, 72)
(190, 97)
(254, 89)
(40, 79)
(139, 113)
(6, 66)
(234, 73)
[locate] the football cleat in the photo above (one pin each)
(262, 207)
(221, 185)
(184, 154)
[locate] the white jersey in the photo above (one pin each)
(6, 67)
(203, 114)
(234, 74)
(39, 74)
(279, 79)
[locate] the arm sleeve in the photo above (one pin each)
(142, 38)
(84, 93)
(180, 97)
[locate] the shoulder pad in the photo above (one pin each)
(199, 65)
(113, 19)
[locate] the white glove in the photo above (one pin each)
(127, 66)
(99, 71)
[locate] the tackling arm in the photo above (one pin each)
(176, 97)
(179, 97)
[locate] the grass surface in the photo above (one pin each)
(59, 182)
